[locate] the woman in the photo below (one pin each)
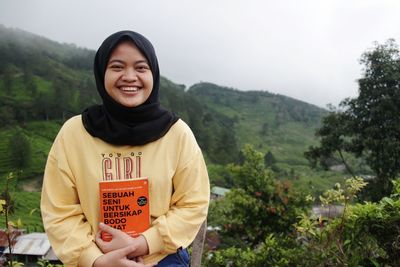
(128, 137)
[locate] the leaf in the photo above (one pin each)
(376, 264)
(19, 223)
(32, 211)
(2, 203)
(10, 176)
(387, 200)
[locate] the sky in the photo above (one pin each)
(305, 49)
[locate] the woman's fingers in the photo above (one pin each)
(104, 227)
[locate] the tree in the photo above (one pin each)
(334, 141)
(7, 115)
(256, 217)
(29, 82)
(368, 126)
(20, 149)
(256, 206)
(269, 159)
(7, 78)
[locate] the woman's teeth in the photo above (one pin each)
(130, 89)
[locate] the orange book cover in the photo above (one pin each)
(124, 205)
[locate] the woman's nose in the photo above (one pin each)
(130, 75)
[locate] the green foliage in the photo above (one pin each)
(274, 251)
(22, 206)
(20, 149)
(368, 126)
(333, 141)
(46, 263)
(219, 176)
(380, 221)
(269, 122)
(7, 201)
(40, 80)
(39, 136)
(27, 209)
(9, 226)
(15, 264)
(269, 159)
(363, 235)
(256, 206)
(214, 131)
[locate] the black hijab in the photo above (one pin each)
(118, 124)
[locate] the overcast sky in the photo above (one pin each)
(306, 49)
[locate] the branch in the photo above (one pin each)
(345, 164)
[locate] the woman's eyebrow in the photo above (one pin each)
(115, 61)
(123, 62)
(142, 61)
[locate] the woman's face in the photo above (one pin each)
(128, 78)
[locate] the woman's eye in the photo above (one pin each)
(142, 67)
(116, 67)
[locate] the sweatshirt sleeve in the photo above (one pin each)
(70, 234)
(188, 206)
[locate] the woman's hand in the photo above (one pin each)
(121, 240)
(119, 258)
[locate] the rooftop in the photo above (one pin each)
(31, 244)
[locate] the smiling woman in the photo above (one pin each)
(128, 78)
(128, 137)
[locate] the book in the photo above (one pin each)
(124, 205)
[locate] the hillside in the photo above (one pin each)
(43, 83)
(271, 122)
(42, 79)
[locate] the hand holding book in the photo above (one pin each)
(121, 240)
(119, 258)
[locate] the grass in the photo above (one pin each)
(26, 186)
(41, 135)
(27, 209)
(266, 121)
(5, 159)
(26, 206)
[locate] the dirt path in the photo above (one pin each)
(32, 186)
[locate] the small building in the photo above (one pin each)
(218, 192)
(367, 177)
(328, 211)
(32, 247)
(338, 168)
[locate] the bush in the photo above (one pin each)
(277, 251)
(257, 206)
(364, 235)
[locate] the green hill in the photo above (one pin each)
(43, 83)
(269, 122)
(42, 79)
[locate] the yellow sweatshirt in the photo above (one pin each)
(178, 188)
